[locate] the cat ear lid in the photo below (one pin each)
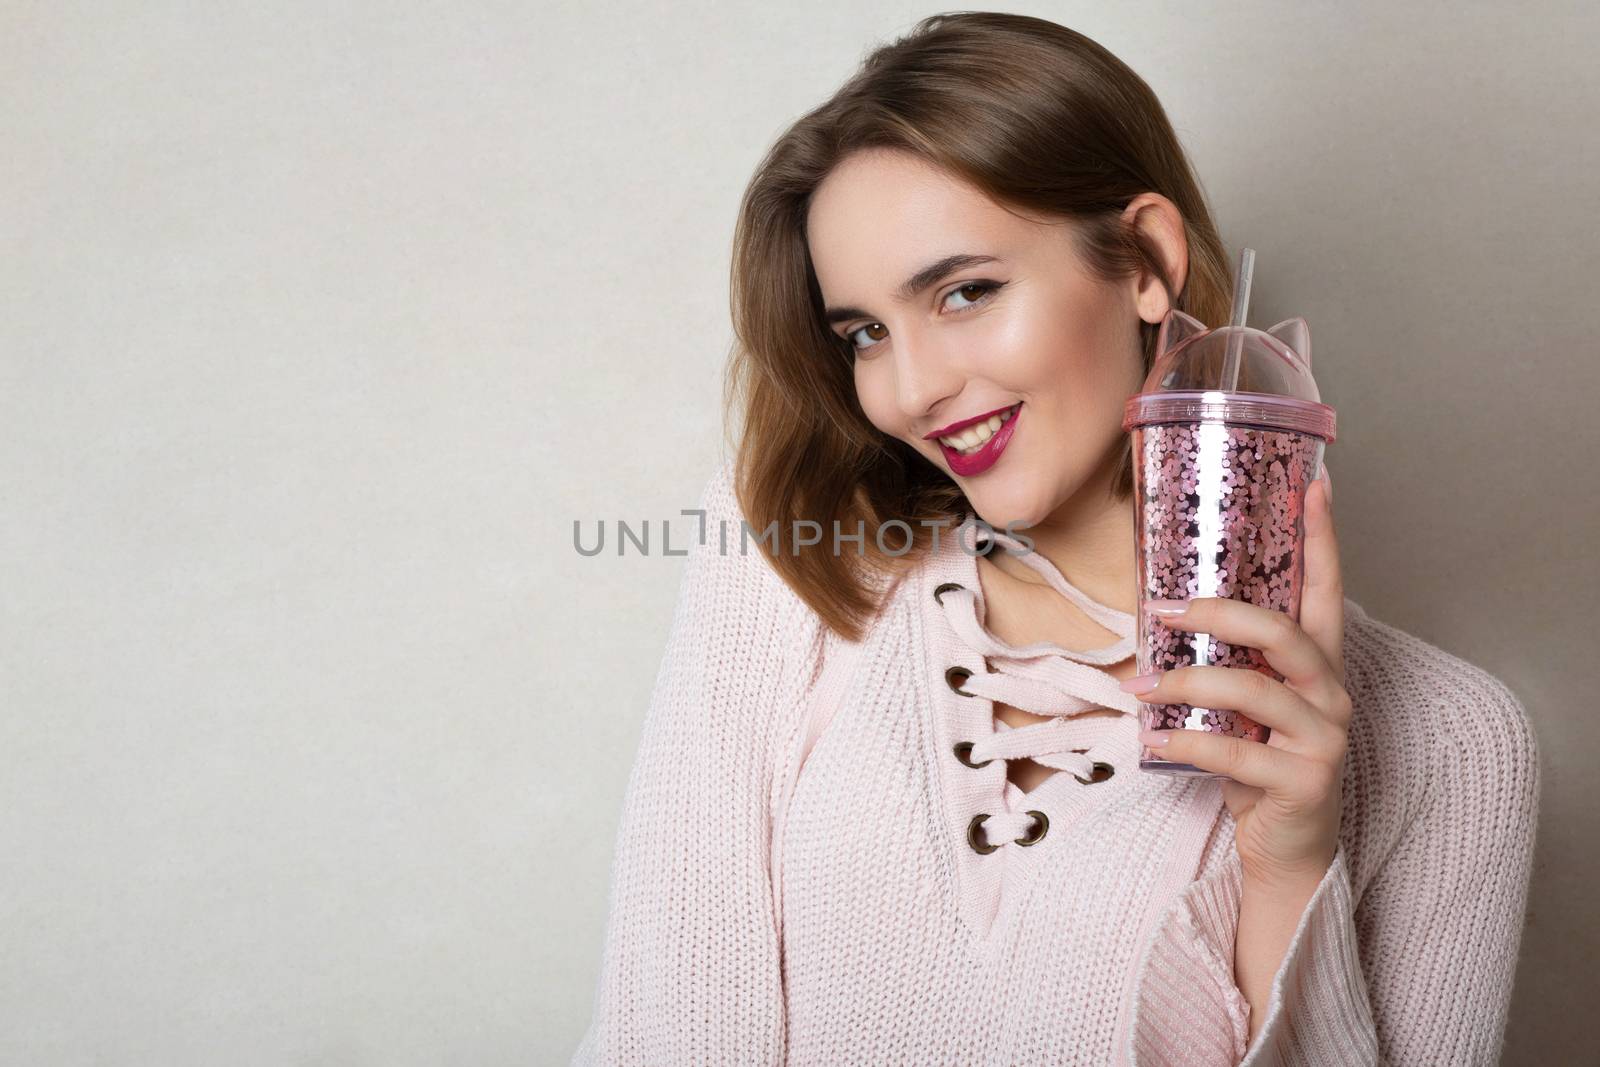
(1176, 327)
(1297, 335)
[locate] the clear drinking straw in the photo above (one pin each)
(1241, 304)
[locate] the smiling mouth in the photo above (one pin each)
(973, 438)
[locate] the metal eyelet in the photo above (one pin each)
(938, 594)
(972, 835)
(1100, 773)
(963, 752)
(954, 676)
(1038, 834)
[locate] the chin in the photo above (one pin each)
(1019, 503)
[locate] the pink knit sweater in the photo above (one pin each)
(777, 899)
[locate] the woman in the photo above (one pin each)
(887, 805)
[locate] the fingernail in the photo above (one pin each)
(1154, 738)
(1142, 683)
(1327, 482)
(1167, 609)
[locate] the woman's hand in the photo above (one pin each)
(1284, 796)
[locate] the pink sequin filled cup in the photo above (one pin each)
(1228, 434)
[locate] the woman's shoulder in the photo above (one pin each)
(1430, 733)
(727, 530)
(1410, 689)
(743, 552)
(734, 557)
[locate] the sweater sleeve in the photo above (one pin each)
(690, 966)
(1416, 969)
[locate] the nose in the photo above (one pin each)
(924, 375)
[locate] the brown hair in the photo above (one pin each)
(1040, 118)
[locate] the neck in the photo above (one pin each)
(1089, 540)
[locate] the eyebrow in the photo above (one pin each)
(931, 274)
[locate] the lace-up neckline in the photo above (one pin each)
(1042, 678)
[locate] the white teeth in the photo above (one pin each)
(975, 437)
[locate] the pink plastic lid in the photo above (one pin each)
(1233, 374)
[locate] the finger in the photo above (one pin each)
(1273, 770)
(1322, 597)
(1295, 722)
(1282, 642)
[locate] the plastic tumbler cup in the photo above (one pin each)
(1228, 433)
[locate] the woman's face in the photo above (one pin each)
(1025, 340)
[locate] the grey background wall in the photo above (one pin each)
(322, 326)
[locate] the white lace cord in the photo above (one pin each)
(1045, 679)
(1118, 622)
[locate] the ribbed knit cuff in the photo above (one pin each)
(1188, 1011)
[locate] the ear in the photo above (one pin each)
(1176, 328)
(1161, 223)
(1297, 335)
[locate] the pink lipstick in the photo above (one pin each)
(987, 456)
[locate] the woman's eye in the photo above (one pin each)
(859, 329)
(973, 293)
(984, 289)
